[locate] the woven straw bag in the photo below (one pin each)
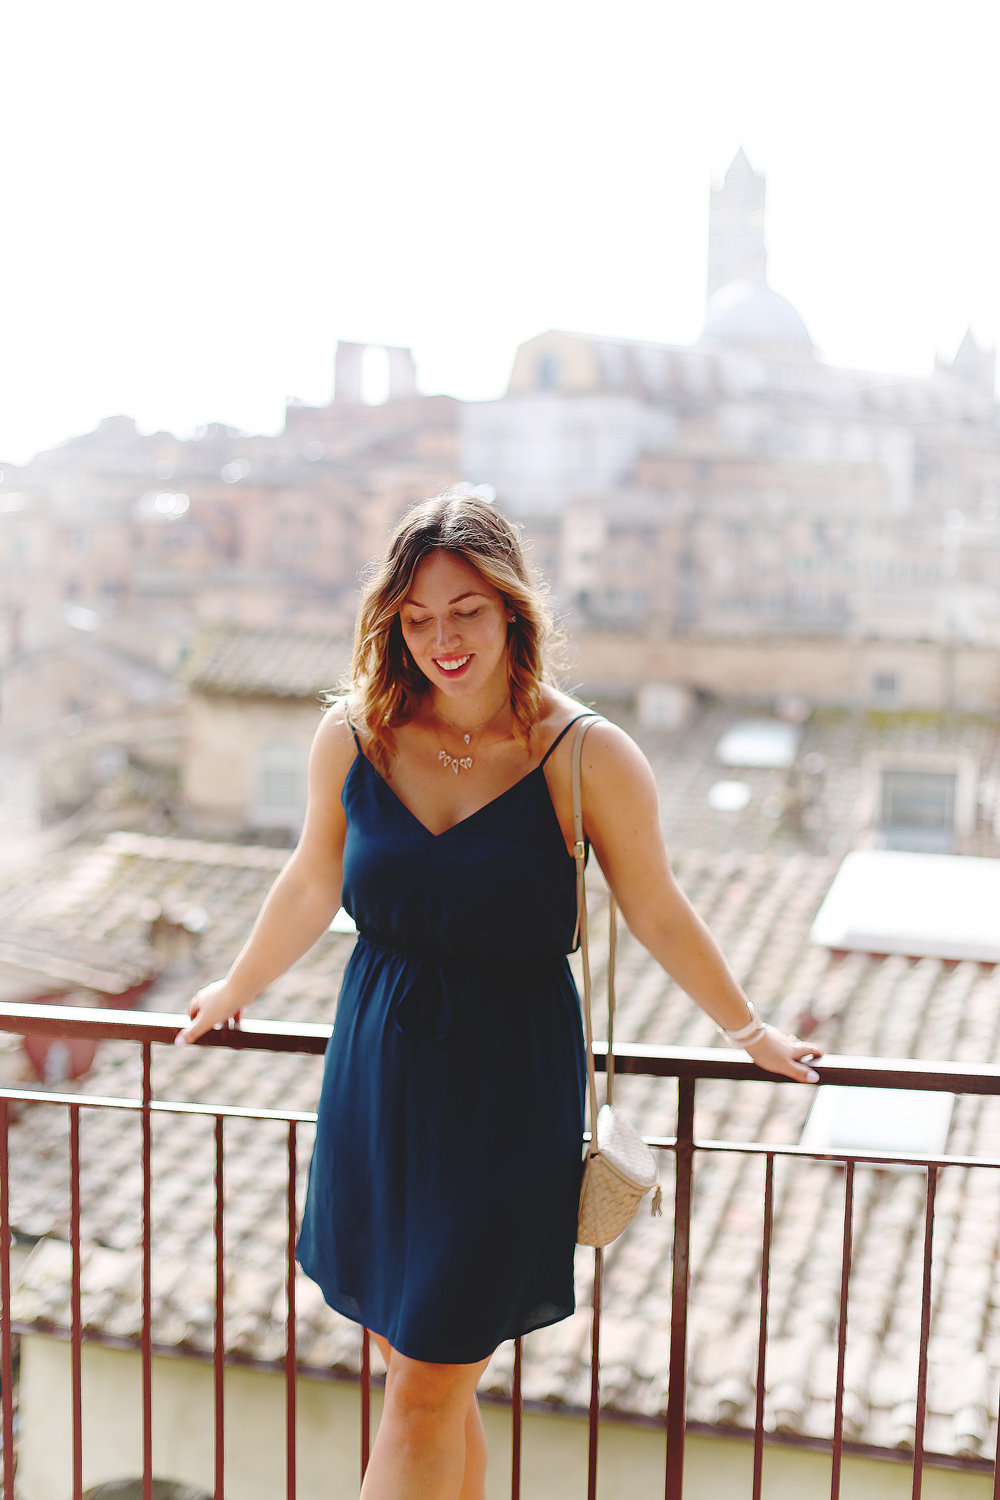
(620, 1169)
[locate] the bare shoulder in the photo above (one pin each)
(617, 780)
(606, 748)
(557, 711)
(334, 746)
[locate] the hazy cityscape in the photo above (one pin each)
(734, 511)
(782, 576)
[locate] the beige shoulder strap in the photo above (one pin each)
(580, 855)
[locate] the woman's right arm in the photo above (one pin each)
(306, 895)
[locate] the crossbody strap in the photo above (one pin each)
(580, 855)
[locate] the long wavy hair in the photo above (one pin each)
(385, 684)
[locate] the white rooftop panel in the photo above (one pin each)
(859, 1119)
(923, 905)
(729, 796)
(759, 742)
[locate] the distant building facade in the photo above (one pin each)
(740, 486)
(253, 708)
(161, 533)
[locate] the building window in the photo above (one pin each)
(548, 372)
(885, 686)
(280, 786)
(918, 810)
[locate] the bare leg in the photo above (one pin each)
(474, 1481)
(430, 1443)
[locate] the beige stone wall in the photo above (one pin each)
(225, 737)
(554, 1455)
(821, 670)
(577, 363)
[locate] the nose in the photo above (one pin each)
(446, 633)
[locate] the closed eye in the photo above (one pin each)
(468, 614)
(417, 624)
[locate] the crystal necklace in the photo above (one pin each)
(458, 763)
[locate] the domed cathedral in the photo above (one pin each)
(742, 308)
(742, 487)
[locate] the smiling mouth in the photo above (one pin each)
(453, 665)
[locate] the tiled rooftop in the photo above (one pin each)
(760, 903)
(265, 663)
(823, 810)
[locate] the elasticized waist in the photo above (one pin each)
(429, 1003)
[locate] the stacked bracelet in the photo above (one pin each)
(748, 1035)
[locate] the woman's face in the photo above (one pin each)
(455, 626)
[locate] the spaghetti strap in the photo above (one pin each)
(585, 715)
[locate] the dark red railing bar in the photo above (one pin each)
(677, 1375)
(366, 1401)
(147, 1272)
(845, 1281)
(686, 1064)
(594, 1415)
(925, 1334)
(658, 1142)
(290, 1348)
(75, 1316)
(630, 1057)
(219, 1351)
(515, 1423)
(165, 1107)
(765, 1287)
(807, 1153)
(161, 1028)
(6, 1336)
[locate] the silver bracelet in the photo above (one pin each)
(748, 1035)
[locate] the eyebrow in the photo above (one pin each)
(470, 594)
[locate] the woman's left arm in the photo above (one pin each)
(622, 820)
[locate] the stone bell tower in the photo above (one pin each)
(736, 227)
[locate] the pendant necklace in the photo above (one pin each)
(458, 763)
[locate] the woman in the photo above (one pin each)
(442, 1201)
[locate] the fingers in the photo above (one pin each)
(792, 1057)
(191, 1033)
(211, 1006)
(202, 1020)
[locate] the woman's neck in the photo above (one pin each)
(469, 715)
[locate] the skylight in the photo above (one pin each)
(728, 796)
(768, 743)
(923, 905)
(858, 1119)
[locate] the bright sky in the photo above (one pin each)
(199, 198)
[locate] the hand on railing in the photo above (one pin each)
(213, 1005)
(779, 1052)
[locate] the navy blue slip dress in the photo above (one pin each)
(444, 1184)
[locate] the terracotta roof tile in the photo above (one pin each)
(760, 900)
(265, 663)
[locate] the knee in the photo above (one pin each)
(427, 1398)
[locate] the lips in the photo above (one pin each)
(452, 664)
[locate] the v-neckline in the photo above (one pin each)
(469, 816)
(476, 812)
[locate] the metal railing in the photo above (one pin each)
(686, 1065)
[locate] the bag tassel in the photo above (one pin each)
(656, 1207)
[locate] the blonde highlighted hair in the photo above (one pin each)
(385, 684)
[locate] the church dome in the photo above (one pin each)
(749, 312)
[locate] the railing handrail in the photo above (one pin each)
(923, 1074)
